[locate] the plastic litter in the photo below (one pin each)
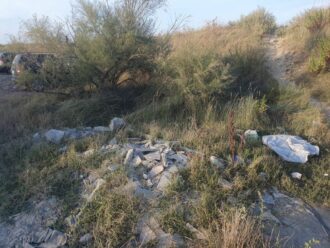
(296, 175)
(291, 148)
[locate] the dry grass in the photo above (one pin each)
(236, 230)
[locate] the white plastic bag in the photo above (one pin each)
(290, 148)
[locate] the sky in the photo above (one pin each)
(195, 12)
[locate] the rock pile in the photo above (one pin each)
(32, 228)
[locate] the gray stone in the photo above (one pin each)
(251, 136)
(268, 199)
(164, 182)
(173, 170)
(86, 238)
(54, 136)
(137, 161)
(116, 124)
(217, 162)
(31, 227)
(89, 153)
(101, 129)
(156, 171)
(295, 223)
(179, 159)
(153, 156)
(129, 157)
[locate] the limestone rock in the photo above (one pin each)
(153, 156)
(156, 171)
(30, 228)
(54, 136)
(294, 222)
(164, 181)
(116, 124)
(251, 136)
(101, 129)
(129, 157)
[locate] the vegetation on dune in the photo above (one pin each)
(308, 36)
(183, 86)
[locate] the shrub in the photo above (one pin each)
(112, 41)
(317, 19)
(320, 57)
(259, 20)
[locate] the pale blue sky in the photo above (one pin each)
(12, 12)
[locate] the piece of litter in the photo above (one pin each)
(296, 175)
(290, 148)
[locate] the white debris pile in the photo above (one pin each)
(291, 148)
(57, 136)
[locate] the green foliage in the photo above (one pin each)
(112, 41)
(259, 20)
(320, 56)
(173, 221)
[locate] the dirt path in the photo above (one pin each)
(280, 62)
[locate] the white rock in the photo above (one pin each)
(149, 183)
(116, 124)
(251, 135)
(156, 171)
(137, 161)
(219, 163)
(145, 176)
(54, 136)
(147, 164)
(164, 181)
(89, 153)
(179, 159)
(296, 175)
(173, 169)
(129, 157)
(86, 238)
(101, 129)
(152, 156)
